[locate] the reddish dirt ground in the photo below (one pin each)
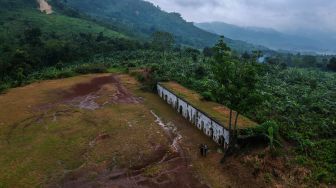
(121, 95)
(94, 94)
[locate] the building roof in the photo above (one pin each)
(215, 111)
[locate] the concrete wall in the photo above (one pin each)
(209, 127)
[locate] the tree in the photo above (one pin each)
(237, 84)
(332, 64)
(162, 41)
(3, 69)
(208, 52)
(20, 66)
(32, 36)
(246, 56)
(309, 61)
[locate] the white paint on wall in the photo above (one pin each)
(209, 127)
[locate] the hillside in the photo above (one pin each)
(23, 14)
(271, 38)
(31, 40)
(141, 19)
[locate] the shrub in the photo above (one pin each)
(66, 74)
(91, 68)
(140, 77)
(4, 87)
(206, 95)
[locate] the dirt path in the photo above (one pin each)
(44, 6)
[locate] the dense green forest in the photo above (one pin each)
(296, 92)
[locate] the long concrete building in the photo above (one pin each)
(209, 126)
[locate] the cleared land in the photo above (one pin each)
(103, 131)
(216, 111)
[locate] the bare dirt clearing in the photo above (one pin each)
(102, 131)
(44, 6)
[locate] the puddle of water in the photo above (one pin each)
(171, 131)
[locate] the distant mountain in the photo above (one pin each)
(298, 42)
(140, 19)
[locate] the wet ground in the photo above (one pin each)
(168, 166)
(103, 131)
(99, 92)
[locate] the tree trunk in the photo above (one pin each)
(230, 126)
(235, 125)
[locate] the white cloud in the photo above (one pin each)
(286, 15)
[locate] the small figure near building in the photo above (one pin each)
(204, 150)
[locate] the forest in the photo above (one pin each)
(296, 92)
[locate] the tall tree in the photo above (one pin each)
(237, 84)
(162, 41)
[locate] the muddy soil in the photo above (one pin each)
(92, 95)
(99, 92)
(168, 167)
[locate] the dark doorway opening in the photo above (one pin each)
(221, 140)
(211, 132)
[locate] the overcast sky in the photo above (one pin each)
(283, 15)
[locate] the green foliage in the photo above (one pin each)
(271, 131)
(300, 102)
(236, 83)
(207, 95)
(332, 64)
(91, 68)
(162, 41)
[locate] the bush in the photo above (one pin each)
(207, 95)
(140, 77)
(66, 74)
(91, 68)
(4, 87)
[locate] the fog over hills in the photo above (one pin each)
(298, 41)
(140, 18)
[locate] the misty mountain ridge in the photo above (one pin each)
(140, 18)
(297, 41)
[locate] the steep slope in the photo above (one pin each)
(270, 38)
(141, 19)
(31, 40)
(16, 16)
